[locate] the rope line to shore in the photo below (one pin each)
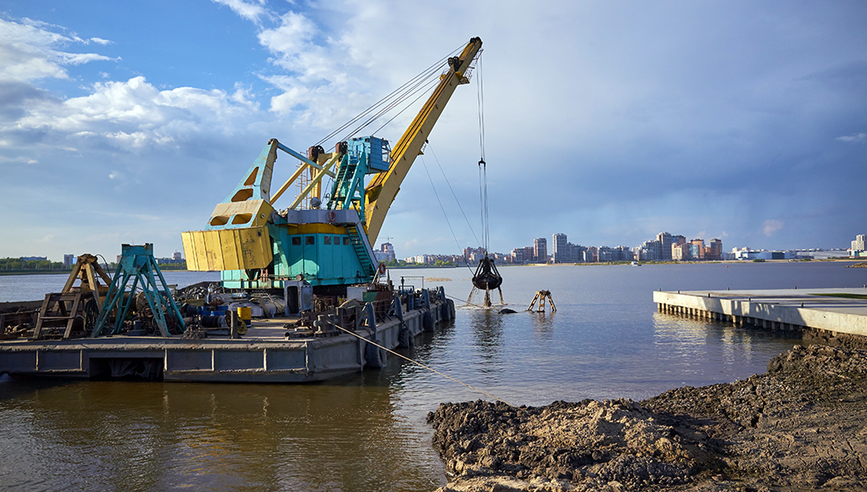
(422, 365)
(471, 305)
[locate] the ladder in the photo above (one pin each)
(361, 249)
(61, 309)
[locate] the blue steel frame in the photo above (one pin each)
(138, 263)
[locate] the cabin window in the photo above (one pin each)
(310, 240)
(337, 240)
(328, 240)
(346, 241)
(296, 241)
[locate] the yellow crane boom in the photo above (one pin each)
(381, 191)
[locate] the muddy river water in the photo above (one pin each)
(367, 431)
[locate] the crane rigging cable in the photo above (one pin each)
(487, 277)
(437, 195)
(454, 195)
(421, 81)
(420, 85)
(483, 172)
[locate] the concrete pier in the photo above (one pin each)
(833, 310)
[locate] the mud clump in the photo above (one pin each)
(801, 426)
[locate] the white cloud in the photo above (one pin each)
(244, 96)
(290, 39)
(858, 137)
(315, 73)
(135, 113)
(19, 159)
(28, 51)
(138, 139)
(251, 11)
(772, 226)
(100, 41)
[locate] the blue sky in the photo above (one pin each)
(126, 122)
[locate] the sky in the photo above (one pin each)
(609, 121)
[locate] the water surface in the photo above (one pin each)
(367, 431)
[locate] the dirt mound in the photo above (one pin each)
(593, 442)
(799, 427)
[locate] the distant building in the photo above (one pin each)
(675, 242)
(648, 251)
(540, 249)
(522, 255)
(696, 249)
(474, 255)
(69, 260)
(714, 250)
(590, 254)
(34, 258)
(622, 253)
(561, 252)
(679, 252)
(859, 248)
(577, 252)
(385, 253)
(177, 256)
(664, 240)
(751, 254)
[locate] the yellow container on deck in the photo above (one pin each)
(245, 313)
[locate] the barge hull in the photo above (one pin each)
(250, 360)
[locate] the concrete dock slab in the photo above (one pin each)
(842, 310)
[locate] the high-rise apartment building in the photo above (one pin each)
(561, 251)
(664, 239)
(540, 249)
(696, 249)
(385, 253)
(714, 250)
(522, 255)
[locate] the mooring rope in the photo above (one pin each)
(422, 365)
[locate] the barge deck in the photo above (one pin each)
(264, 354)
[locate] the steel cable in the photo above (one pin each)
(422, 365)
(391, 99)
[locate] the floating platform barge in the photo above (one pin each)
(264, 354)
(832, 310)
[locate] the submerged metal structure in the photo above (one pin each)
(487, 278)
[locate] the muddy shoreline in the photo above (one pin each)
(800, 426)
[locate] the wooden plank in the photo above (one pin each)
(37, 331)
(93, 285)
(72, 313)
(72, 276)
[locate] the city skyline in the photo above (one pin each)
(723, 119)
(677, 246)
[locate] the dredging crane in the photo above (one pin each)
(319, 242)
